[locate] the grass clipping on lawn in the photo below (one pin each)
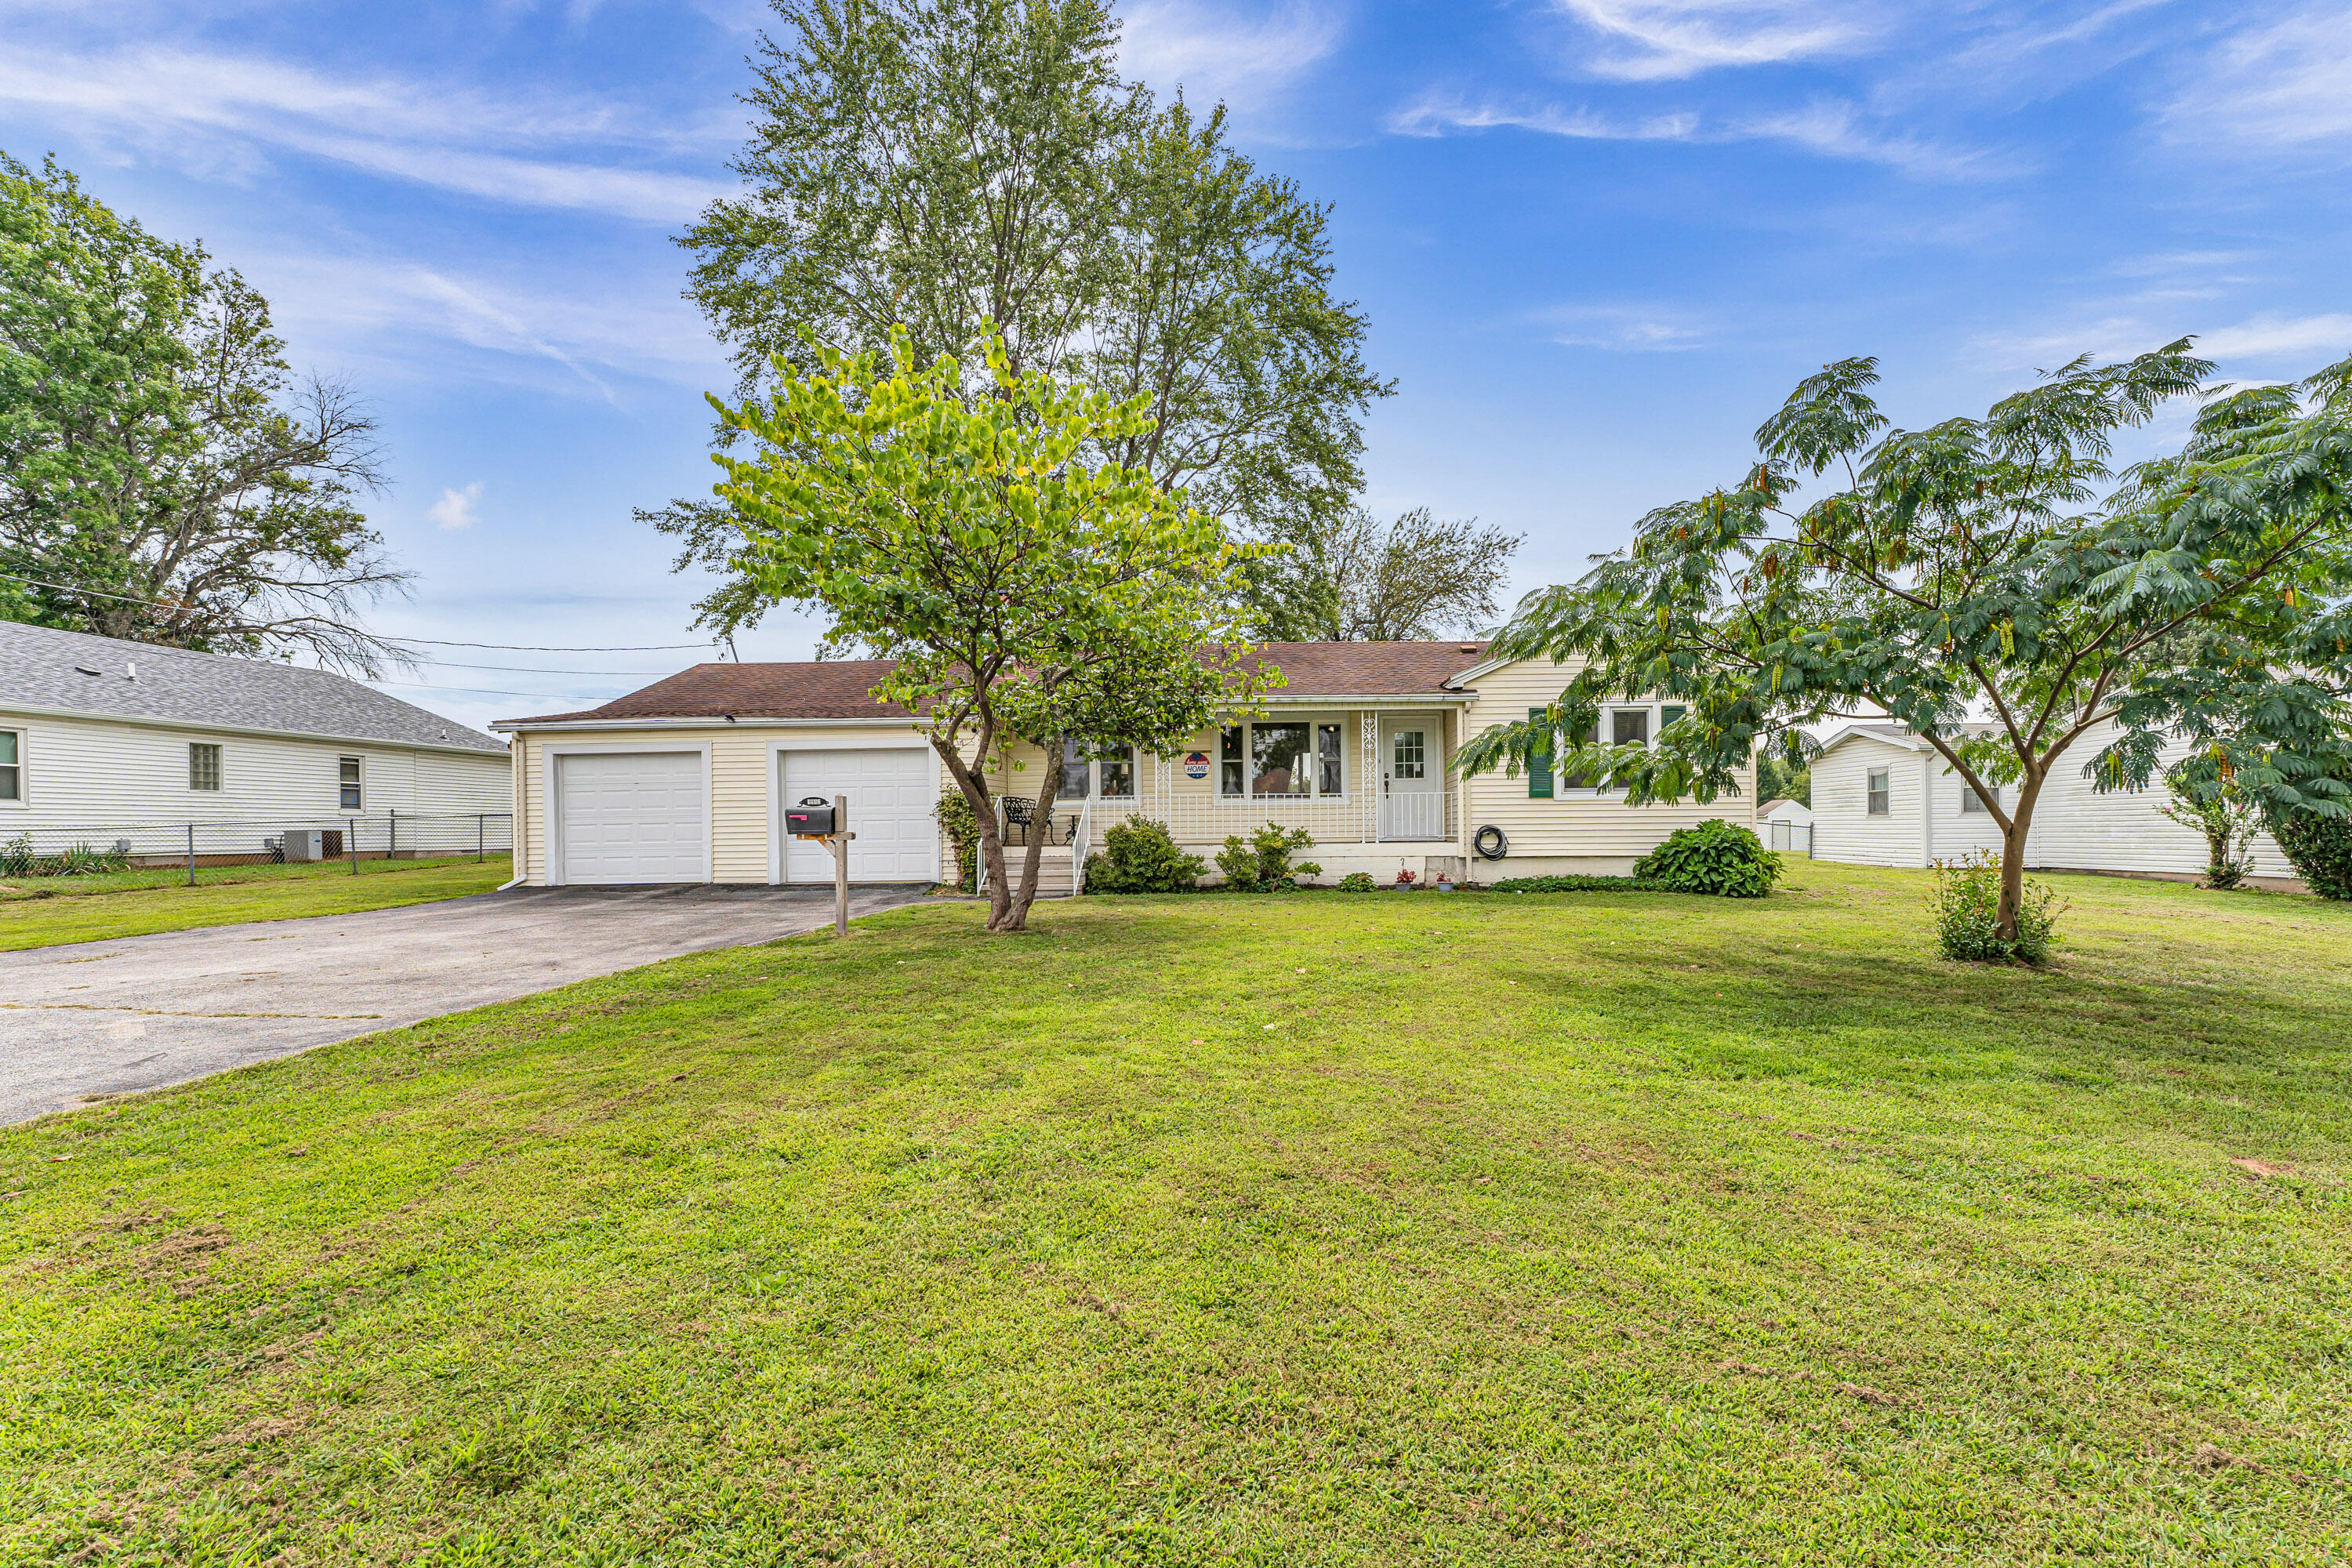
(1577, 1229)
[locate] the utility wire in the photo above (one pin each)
(435, 642)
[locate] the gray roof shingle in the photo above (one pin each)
(41, 668)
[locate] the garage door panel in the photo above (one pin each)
(890, 796)
(631, 817)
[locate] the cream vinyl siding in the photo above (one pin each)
(98, 772)
(1842, 828)
(740, 801)
(1573, 823)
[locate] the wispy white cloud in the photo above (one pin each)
(454, 509)
(1828, 127)
(2271, 336)
(1625, 328)
(1245, 56)
(1663, 40)
(410, 311)
(2266, 340)
(1442, 113)
(232, 110)
(2284, 83)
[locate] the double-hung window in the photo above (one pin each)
(1875, 785)
(1091, 772)
(1971, 802)
(12, 767)
(1282, 759)
(204, 766)
(349, 795)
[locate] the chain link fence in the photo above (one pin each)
(77, 849)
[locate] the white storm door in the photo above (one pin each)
(1412, 782)
(890, 796)
(633, 817)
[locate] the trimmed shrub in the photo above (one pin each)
(1358, 882)
(2320, 849)
(1262, 859)
(1140, 855)
(1576, 885)
(1715, 857)
(1968, 910)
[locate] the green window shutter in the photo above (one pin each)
(1539, 764)
(1669, 713)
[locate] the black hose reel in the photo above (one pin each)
(1490, 843)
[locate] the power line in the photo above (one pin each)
(542, 669)
(470, 690)
(434, 642)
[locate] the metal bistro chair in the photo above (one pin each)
(1020, 820)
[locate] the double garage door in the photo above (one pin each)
(636, 818)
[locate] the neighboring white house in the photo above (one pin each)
(687, 780)
(98, 737)
(1871, 779)
(1786, 825)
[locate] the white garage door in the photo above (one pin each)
(631, 817)
(890, 795)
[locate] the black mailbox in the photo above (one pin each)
(810, 818)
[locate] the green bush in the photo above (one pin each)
(1715, 857)
(17, 859)
(1262, 859)
(2320, 849)
(1968, 910)
(1358, 882)
(1577, 885)
(1140, 855)
(955, 814)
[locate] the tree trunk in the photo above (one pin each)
(992, 842)
(1016, 918)
(2013, 856)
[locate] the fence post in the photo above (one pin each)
(351, 842)
(481, 835)
(192, 854)
(392, 845)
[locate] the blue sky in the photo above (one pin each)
(1598, 240)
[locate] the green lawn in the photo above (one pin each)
(42, 911)
(1388, 1229)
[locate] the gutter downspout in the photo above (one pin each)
(517, 751)
(1927, 810)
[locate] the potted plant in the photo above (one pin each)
(1404, 881)
(1445, 881)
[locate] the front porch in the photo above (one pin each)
(1372, 785)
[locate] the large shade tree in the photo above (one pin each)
(1027, 589)
(1990, 583)
(165, 476)
(1355, 577)
(940, 165)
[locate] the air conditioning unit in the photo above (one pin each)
(304, 844)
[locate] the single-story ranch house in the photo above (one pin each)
(99, 736)
(687, 780)
(1883, 796)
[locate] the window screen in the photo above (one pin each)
(1330, 754)
(1628, 727)
(204, 765)
(1233, 776)
(1877, 785)
(1971, 802)
(1278, 759)
(1073, 770)
(12, 765)
(1118, 768)
(347, 771)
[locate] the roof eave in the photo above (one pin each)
(207, 728)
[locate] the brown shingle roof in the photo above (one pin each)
(841, 688)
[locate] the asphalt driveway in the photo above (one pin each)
(113, 1018)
